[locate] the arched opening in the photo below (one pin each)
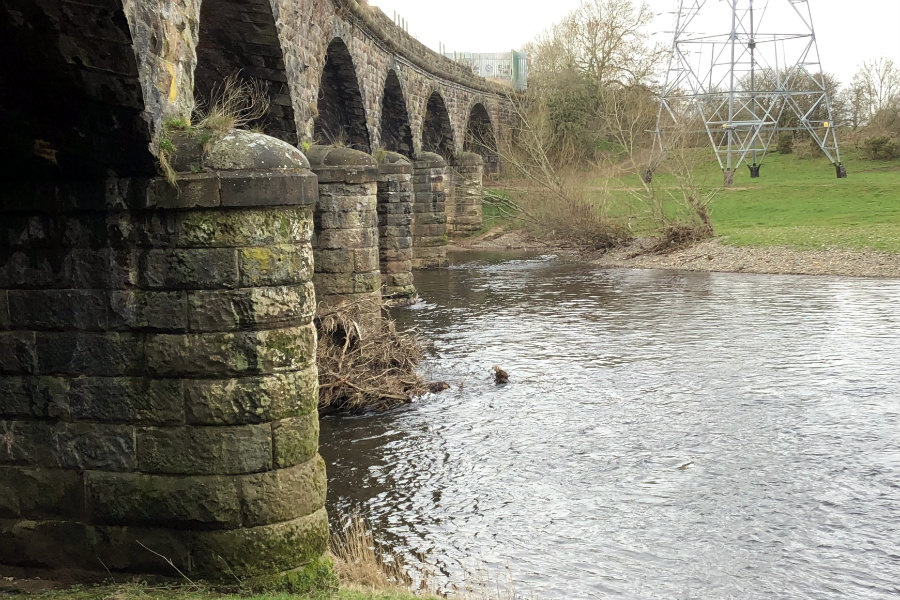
(71, 103)
(396, 134)
(437, 133)
(342, 115)
(240, 39)
(480, 138)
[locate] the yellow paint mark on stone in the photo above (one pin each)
(173, 87)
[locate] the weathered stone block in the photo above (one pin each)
(336, 260)
(425, 229)
(248, 552)
(346, 220)
(16, 397)
(394, 267)
(26, 443)
(148, 310)
(105, 268)
(275, 265)
(111, 399)
(39, 268)
(204, 450)
(180, 501)
(345, 238)
(283, 494)
(296, 440)
(94, 446)
(18, 354)
(262, 550)
(265, 189)
(244, 308)
(398, 280)
(365, 260)
(252, 399)
(205, 354)
(247, 227)
(340, 204)
(192, 191)
(88, 353)
(40, 493)
(359, 194)
(395, 244)
(4, 310)
(62, 309)
(195, 268)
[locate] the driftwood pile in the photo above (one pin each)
(370, 368)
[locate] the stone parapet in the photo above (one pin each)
(395, 204)
(158, 385)
(464, 212)
(429, 228)
(345, 243)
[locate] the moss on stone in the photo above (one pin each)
(315, 579)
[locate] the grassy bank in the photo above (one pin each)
(797, 203)
(149, 592)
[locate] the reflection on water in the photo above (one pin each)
(663, 434)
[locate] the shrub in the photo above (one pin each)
(880, 147)
(785, 143)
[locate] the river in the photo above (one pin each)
(663, 434)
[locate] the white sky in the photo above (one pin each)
(847, 32)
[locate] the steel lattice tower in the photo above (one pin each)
(744, 86)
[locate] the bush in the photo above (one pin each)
(880, 147)
(806, 148)
(785, 143)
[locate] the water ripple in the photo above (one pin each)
(664, 435)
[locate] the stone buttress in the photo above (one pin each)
(345, 242)
(464, 212)
(395, 203)
(429, 211)
(158, 384)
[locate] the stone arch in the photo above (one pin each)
(396, 133)
(239, 38)
(341, 112)
(437, 130)
(480, 137)
(71, 102)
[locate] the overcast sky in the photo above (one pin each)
(847, 32)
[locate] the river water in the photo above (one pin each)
(663, 434)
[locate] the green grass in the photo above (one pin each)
(796, 202)
(148, 592)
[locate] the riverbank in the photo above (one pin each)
(710, 255)
(41, 590)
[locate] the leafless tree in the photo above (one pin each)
(875, 87)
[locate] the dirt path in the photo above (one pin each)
(711, 256)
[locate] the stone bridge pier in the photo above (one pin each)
(159, 385)
(159, 281)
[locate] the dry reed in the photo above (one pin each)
(360, 561)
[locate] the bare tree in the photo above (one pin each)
(589, 68)
(875, 87)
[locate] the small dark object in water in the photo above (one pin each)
(436, 387)
(500, 376)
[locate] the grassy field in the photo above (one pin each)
(796, 202)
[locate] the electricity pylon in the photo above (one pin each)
(761, 77)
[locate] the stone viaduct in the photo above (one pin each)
(158, 384)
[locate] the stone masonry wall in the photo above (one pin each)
(346, 233)
(430, 212)
(464, 207)
(158, 385)
(395, 203)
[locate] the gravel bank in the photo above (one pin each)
(714, 256)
